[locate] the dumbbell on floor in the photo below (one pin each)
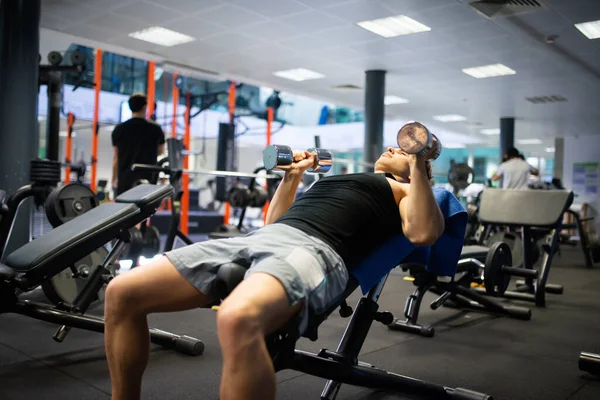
(280, 155)
(415, 138)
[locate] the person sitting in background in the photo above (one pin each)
(515, 171)
(135, 141)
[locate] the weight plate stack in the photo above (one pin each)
(44, 172)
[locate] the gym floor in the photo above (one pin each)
(506, 358)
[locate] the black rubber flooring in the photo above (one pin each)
(509, 359)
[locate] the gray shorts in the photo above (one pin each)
(310, 270)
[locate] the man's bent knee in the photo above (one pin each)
(122, 297)
(238, 318)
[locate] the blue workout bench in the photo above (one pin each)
(39, 260)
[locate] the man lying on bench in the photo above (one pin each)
(298, 264)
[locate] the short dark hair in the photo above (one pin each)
(512, 153)
(137, 101)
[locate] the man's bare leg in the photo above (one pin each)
(259, 305)
(156, 287)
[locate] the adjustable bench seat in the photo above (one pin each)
(52, 252)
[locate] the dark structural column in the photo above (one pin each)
(507, 135)
(374, 114)
(19, 48)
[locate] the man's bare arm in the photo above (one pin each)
(286, 192)
(422, 219)
(115, 166)
(284, 197)
(496, 177)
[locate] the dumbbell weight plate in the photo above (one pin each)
(277, 155)
(415, 138)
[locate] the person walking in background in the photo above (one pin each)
(515, 171)
(135, 141)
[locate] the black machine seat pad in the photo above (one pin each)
(145, 195)
(474, 252)
(74, 239)
(541, 208)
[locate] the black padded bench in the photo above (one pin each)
(49, 254)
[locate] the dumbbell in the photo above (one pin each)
(277, 155)
(415, 138)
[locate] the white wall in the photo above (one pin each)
(577, 150)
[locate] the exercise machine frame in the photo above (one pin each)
(456, 293)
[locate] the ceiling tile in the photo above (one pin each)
(230, 16)
(192, 50)
(578, 10)
(304, 61)
(544, 22)
(247, 61)
(361, 10)
(131, 43)
(270, 50)
(467, 61)
(313, 20)
(451, 15)
(194, 27)
(310, 42)
(102, 4)
(406, 6)
(270, 8)
(69, 10)
(376, 47)
(233, 42)
(116, 23)
(472, 32)
(272, 31)
(90, 32)
(346, 35)
(149, 13)
(184, 6)
(338, 53)
(423, 39)
(571, 40)
(49, 21)
(318, 4)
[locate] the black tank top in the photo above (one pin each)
(352, 213)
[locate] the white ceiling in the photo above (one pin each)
(253, 38)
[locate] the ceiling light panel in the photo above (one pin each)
(161, 36)
(489, 71)
(394, 26)
(529, 141)
(298, 74)
(591, 29)
(491, 131)
(450, 118)
(390, 100)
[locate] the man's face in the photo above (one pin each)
(394, 161)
